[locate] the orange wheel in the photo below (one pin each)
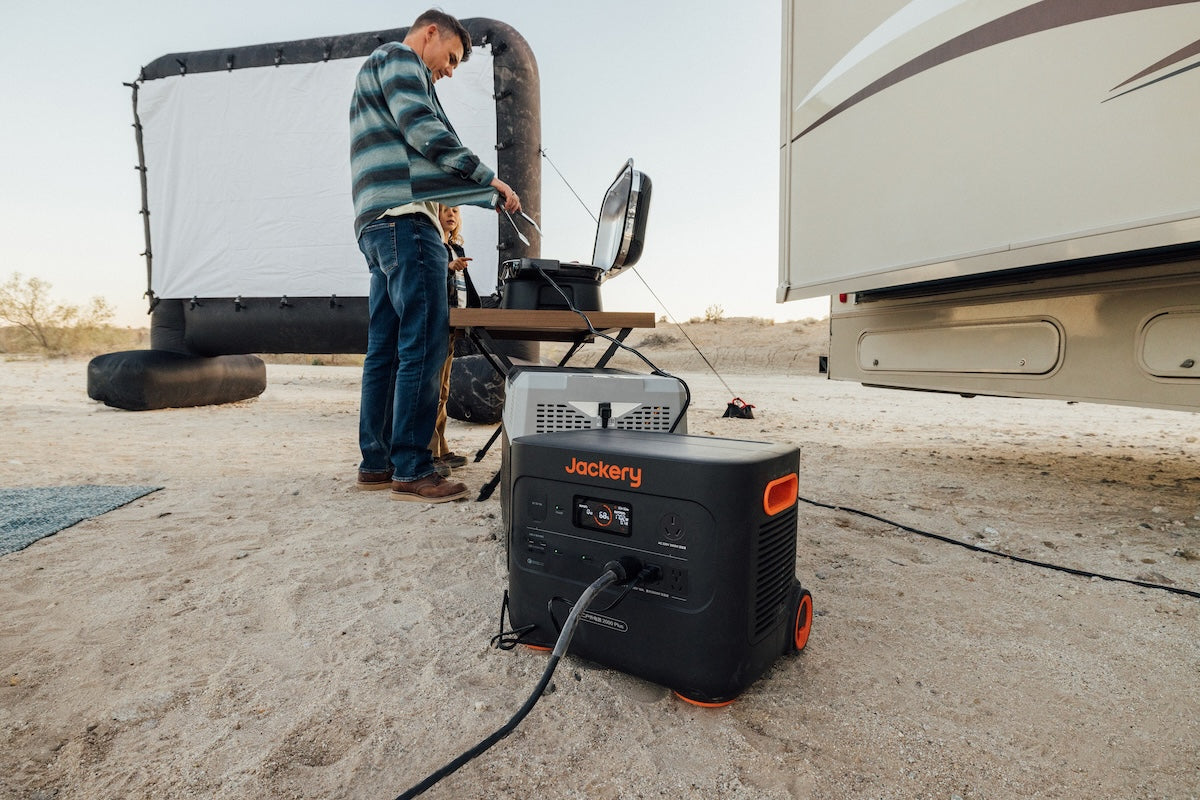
(804, 614)
(690, 701)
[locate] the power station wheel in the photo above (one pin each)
(803, 625)
(702, 704)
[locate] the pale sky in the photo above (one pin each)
(689, 90)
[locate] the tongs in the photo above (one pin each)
(513, 222)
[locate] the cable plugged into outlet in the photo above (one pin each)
(626, 568)
(650, 573)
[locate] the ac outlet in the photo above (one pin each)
(673, 581)
(676, 581)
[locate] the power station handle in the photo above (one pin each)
(780, 494)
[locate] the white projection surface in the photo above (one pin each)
(248, 174)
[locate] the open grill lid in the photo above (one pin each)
(620, 234)
(621, 231)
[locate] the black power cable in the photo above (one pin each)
(1083, 573)
(619, 571)
(649, 574)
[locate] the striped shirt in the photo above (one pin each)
(403, 149)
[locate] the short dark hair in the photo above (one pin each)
(448, 25)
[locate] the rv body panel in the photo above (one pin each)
(1014, 174)
(1126, 337)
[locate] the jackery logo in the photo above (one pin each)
(601, 469)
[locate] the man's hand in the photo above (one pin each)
(512, 203)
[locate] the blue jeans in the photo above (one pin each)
(407, 345)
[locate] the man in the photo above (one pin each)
(405, 158)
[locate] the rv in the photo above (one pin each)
(1000, 198)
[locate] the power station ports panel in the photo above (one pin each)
(1031, 347)
(576, 535)
(1170, 345)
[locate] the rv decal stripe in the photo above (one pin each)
(1037, 18)
(1179, 55)
(1179, 71)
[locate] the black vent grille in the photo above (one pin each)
(550, 417)
(645, 418)
(774, 571)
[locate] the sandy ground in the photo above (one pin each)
(260, 629)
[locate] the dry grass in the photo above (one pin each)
(73, 341)
(314, 359)
(87, 342)
(731, 345)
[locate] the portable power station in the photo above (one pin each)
(716, 517)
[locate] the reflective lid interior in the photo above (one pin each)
(618, 220)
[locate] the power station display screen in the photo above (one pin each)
(608, 516)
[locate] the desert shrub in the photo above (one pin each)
(314, 359)
(658, 340)
(35, 323)
(714, 313)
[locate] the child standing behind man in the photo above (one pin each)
(461, 293)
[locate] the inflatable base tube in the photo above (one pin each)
(198, 355)
(142, 380)
(214, 326)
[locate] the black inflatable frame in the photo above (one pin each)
(211, 339)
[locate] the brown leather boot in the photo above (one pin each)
(374, 479)
(432, 488)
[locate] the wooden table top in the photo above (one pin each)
(517, 323)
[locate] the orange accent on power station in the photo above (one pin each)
(804, 615)
(702, 705)
(780, 494)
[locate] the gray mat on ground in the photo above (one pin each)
(27, 515)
